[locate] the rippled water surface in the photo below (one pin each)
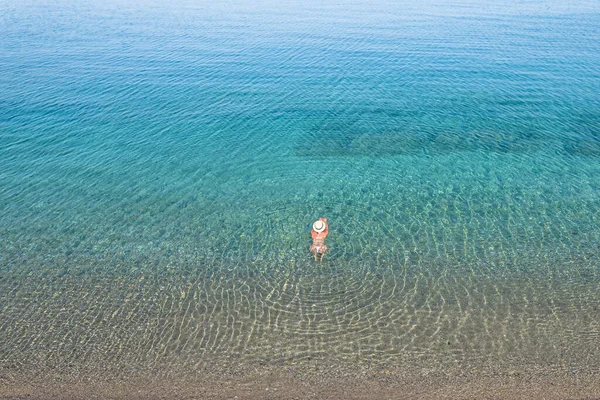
(161, 165)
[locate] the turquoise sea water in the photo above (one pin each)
(161, 165)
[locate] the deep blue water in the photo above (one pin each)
(161, 165)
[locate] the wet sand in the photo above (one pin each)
(268, 382)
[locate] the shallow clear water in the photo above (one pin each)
(161, 167)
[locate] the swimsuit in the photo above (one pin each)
(318, 246)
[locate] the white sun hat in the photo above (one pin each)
(319, 226)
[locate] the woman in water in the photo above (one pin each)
(319, 232)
